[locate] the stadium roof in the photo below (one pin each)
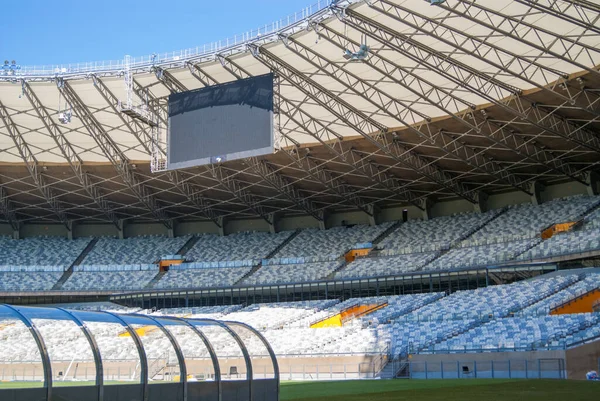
(458, 100)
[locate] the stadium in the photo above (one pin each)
(363, 190)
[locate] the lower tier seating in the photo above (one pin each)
(466, 321)
(519, 333)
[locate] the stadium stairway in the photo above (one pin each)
(272, 254)
(464, 237)
(385, 234)
(155, 280)
(188, 245)
(67, 274)
(289, 239)
(342, 266)
(417, 306)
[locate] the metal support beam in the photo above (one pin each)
(191, 192)
(7, 210)
(235, 187)
(333, 142)
(498, 93)
(507, 63)
(270, 175)
(71, 155)
(412, 120)
(518, 28)
(330, 182)
(232, 185)
(32, 166)
(586, 15)
(374, 132)
(536, 190)
(113, 153)
(453, 105)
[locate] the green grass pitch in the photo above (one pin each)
(443, 390)
(422, 390)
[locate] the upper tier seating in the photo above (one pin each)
(481, 255)
(330, 243)
(292, 273)
(211, 277)
(109, 280)
(385, 266)
(144, 249)
(431, 235)
(28, 281)
(565, 243)
(520, 333)
(43, 252)
(529, 220)
(240, 246)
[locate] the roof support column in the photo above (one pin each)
(481, 205)
(374, 214)
(70, 232)
(17, 233)
(536, 192)
(593, 183)
(323, 224)
(171, 230)
(122, 224)
(274, 217)
(221, 225)
(427, 205)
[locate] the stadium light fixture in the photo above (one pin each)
(436, 2)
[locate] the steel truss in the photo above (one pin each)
(473, 80)
(71, 156)
(333, 142)
(237, 189)
(270, 176)
(561, 47)
(307, 164)
(114, 154)
(454, 106)
(406, 116)
(587, 12)
(149, 143)
(506, 62)
(374, 132)
(7, 210)
(33, 168)
(227, 181)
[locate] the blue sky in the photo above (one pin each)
(39, 32)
